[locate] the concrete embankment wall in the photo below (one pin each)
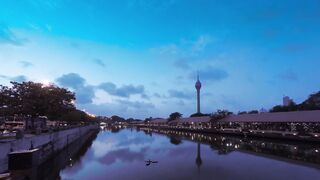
(56, 140)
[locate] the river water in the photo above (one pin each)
(121, 154)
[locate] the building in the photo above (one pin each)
(287, 101)
(158, 122)
(37, 123)
(191, 122)
(13, 125)
(294, 123)
(52, 124)
(303, 123)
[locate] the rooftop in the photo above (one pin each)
(158, 120)
(294, 116)
(192, 119)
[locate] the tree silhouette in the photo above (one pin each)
(35, 99)
(174, 116)
(30, 99)
(219, 114)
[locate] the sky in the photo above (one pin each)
(140, 58)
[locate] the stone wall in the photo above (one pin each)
(57, 140)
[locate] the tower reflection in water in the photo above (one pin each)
(198, 159)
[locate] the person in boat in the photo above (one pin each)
(150, 162)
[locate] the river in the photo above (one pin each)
(121, 154)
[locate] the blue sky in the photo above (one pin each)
(139, 58)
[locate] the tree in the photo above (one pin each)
(242, 112)
(253, 112)
(174, 116)
(292, 107)
(30, 100)
(220, 114)
(35, 99)
(129, 119)
(76, 116)
(199, 115)
(7, 102)
(115, 118)
(146, 120)
(312, 103)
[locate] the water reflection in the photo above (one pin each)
(198, 159)
(122, 154)
(175, 140)
(290, 150)
(66, 158)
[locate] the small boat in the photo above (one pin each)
(150, 162)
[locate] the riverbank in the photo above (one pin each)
(295, 152)
(281, 135)
(48, 143)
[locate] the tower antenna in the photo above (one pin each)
(198, 75)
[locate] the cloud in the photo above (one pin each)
(201, 43)
(183, 151)
(8, 37)
(184, 48)
(170, 49)
(182, 64)
(123, 91)
(71, 80)
(26, 64)
(157, 95)
(20, 78)
(123, 108)
(125, 155)
(136, 104)
(179, 78)
(288, 75)
(180, 94)
(135, 141)
(145, 96)
(180, 103)
(84, 93)
(210, 74)
(100, 62)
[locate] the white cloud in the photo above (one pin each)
(185, 47)
(201, 43)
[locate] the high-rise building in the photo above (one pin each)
(287, 101)
(198, 87)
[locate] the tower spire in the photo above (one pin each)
(198, 75)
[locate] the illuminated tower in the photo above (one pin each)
(198, 87)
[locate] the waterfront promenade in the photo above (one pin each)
(47, 143)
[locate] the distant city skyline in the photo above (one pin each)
(139, 58)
